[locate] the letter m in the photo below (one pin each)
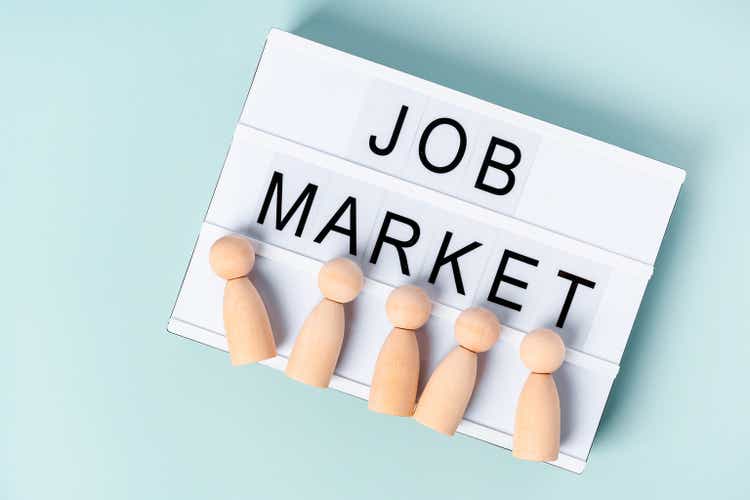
(304, 200)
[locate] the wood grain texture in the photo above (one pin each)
(318, 345)
(246, 322)
(537, 429)
(394, 382)
(446, 395)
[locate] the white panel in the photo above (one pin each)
(304, 99)
(566, 182)
(596, 199)
(235, 199)
(616, 314)
(577, 206)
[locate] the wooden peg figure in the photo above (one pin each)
(318, 345)
(537, 429)
(445, 397)
(248, 329)
(394, 383)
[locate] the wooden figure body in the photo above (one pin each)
(318, 345)
(445, 397)
(536, 435)
(394, 384)
(248, 329)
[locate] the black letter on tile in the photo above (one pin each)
(351, 231)
(443, 259)
(394, 137)
(507, 168)
(275, 188)
(574, 282)
(397, 244)
(501, 277)
(461, 145)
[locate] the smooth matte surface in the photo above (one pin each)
(115, 122)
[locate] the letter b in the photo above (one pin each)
(507, 168)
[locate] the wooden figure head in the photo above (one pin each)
(542, 351)
(340, 280)
(408, 307)
(232, 257)
(477, 329)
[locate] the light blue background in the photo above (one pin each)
(114, 122)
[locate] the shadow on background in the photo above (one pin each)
(496, 82)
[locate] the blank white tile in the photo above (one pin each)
(235, 197)
(309, 100)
